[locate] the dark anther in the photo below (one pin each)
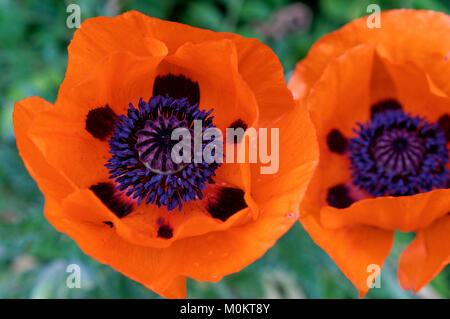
(385, 106)
(109, 196)
(110, 224)
(100, 122)
(444, 124)
(337, 142)
(226, 203)
(177, 87)
(339, 197)
(165, 231)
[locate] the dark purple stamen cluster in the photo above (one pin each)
(141, 147)
(154, 144)
(397, 154)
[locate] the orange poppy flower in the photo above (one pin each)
(380, 102)
(100, 153)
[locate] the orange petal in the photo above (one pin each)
(405, 213)
(416, 93)
(355, 250)
(98, 37)
(214, 65)
(101, 36)
(141, 226)
(382, 86)
(426, 256)
(427, 44)
(49, 180)
(61, 133)
(214, 255)
(177, 290)
(117, 80)
(142, 264)
(335, 103)
(262, 71)
(297, 156)
(131, 31)
(207, 257)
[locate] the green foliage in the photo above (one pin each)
(33, 57)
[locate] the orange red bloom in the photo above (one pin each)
(380, 102)
(99, 157)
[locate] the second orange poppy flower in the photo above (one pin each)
(380, 101)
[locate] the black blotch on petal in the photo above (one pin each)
(337, 142)
(444, 123)
(110, 224)
(226, 203)
(100, 122)
(385, 105)
(165, 231)
(177, 86)
(339, 197)
(109, 196)
(239, 123)
(235, 125)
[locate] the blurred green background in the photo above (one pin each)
(33, 57)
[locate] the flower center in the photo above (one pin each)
(154, 144)
(141, 147)
(399, 150)
(397, 154)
